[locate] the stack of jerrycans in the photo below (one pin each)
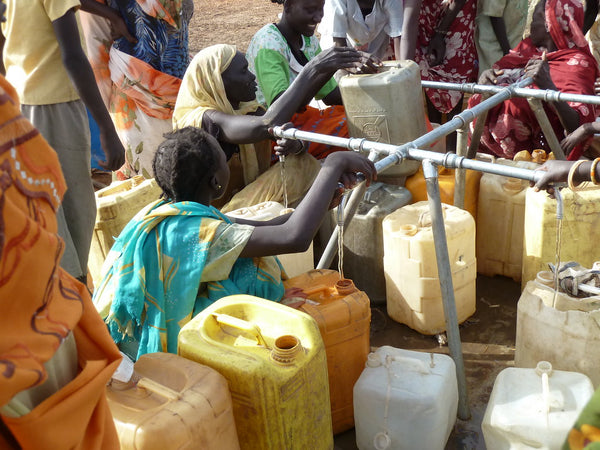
(363, 238)
(274, 361)
(176, 403)
(343, 314)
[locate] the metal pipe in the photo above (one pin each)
(542, 118)
(460, 174)
(446, 287)
(477, 133)
(399, 152)
(546, 95)
(331, 249)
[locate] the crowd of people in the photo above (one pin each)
(201, 126)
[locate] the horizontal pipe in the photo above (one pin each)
(547, 95)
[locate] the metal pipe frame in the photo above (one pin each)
(546, 95)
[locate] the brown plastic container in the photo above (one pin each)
(343, 314)
(177, 403)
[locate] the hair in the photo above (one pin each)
(279, 2)
(182, 161)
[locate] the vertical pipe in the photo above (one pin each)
(540, 114)
(477, 132)
(447, 289)
(460, 174)
(331, 249)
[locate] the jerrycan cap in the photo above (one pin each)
(408, 229)
(381, 441)
(513, 185)
(545, 277)
(373, 360)
(538, 156)
(344, 286)
(286, 349)
(543, 367)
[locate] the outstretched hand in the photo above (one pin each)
(350, 164)
(284, 147)
(113, 150)
(539, 71)
(490, 76)
(573, 139)
(555, 171)
(345, 58)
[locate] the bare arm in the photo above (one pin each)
(499, 28)
(410, 27)
(437, 46)
(80, 72)
(591, 12)
(112, 15)
(298, 231)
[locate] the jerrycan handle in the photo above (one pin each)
(157, 388)
(248, 327)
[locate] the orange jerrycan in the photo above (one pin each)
(274, 360)
(344, 316)
(417, 186)
(176, 404)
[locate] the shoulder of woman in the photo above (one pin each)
(268, 37)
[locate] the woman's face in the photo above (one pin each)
(239, 82)
(538, 34)
(304, 15)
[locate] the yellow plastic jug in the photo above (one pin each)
(411, 275)
(116, 205)
(274, 360)
(176, 404)
(344, 315)
(501, 215)
(386, 107)
(579, 236)
(417, 186)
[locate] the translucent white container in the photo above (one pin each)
(405, 400)
(363, 238)
(534, 408)
(501, 214)
(293, 263)
(410, 264)
(580, 230)
(386, 107)
(567, 335)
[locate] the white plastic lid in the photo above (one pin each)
(382, 441)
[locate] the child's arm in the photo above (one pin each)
(579, 135)
(80, 72)
(499, 28)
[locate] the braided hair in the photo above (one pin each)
(182, 162)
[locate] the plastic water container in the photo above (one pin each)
(411, 275)
(417, 186)
(563, 331)
(343, 314)
(176, 404)
(293, 263)
(534, 408)
(501, 214)
(405, 400)
(580, 230)
(116, 205)
(386, 107)
(363, 238)
(274, 360)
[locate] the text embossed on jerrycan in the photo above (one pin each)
(411, 274)
(386, 107)
(176, 404)
(274, 360)
(534, 408)
(343, 314)
(405, 400)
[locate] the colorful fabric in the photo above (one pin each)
(514, 15)
(33, 61)
(512, 125)
(271, 60)
(331, 121)
(344, 19)
(170, 262)
(585, 434)
(202, 90)
(139, 82)
(460, 61)
(42, 306)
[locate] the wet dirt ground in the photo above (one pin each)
(488, 345)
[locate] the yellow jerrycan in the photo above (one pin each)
(411, 274)
(274, 360)
(344, 315)
(386, 107)
(177, 403)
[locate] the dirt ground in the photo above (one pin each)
(229, 22)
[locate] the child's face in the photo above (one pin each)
(304, 15)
